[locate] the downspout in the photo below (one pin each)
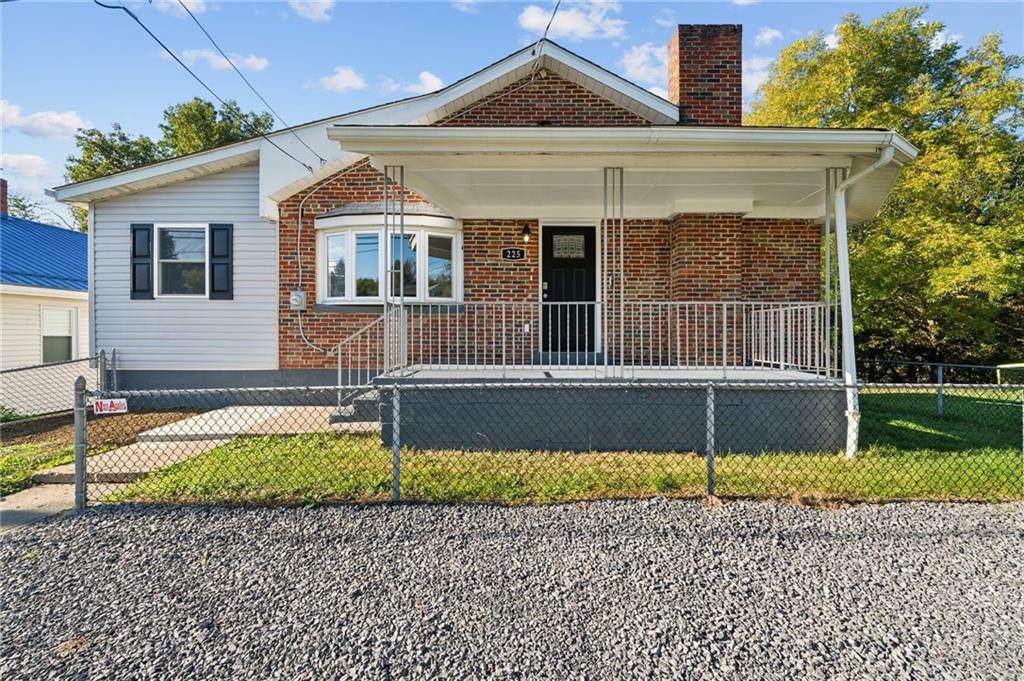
(846, 302)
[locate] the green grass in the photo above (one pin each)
(973, 453)
(19, 462)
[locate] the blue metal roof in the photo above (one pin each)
(37, 254)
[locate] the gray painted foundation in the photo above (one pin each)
(611, 418)
(182, 380)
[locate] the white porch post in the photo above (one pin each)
(846, 313)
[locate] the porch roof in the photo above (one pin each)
(556, 173)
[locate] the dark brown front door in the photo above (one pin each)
(568, 289)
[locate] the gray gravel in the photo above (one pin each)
(599, 590)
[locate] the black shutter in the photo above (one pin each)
(221, 237)
(142, 262)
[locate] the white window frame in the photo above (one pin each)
(158, 261)
(424, 228)
(74, 329)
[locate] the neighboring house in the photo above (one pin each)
(44, 284)
(555, 220)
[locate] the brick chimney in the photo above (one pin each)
(3, 196)
(705, 73)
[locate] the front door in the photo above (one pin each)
(568, 290)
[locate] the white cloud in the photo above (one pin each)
(40, 123)
(744, 3)
(27, 166)
(468, 6)
(666, 18)
(172, 6)
(660, 91)
(767, 35)
(832, 39)
(646, 64)
(941, 39)
(427, 82)
(344, 78)
(755, 72)
(313, 10)
(576, 21)
(215, 61)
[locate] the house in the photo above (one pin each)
(44, 285)
(540, 218)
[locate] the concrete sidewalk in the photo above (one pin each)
(128, 463)
(34, 504)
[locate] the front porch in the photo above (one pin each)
(719, 255)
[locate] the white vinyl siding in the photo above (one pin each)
(189, 333)
(21, 326)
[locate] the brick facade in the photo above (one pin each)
(546, 99)
(689, 257)
(724, 256)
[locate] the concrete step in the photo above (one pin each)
(363, 408)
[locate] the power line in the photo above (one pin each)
(193, 74)
(246, 81)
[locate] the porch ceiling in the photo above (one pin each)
(558, 173)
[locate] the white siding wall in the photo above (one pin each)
(182, 333)
(21, 342)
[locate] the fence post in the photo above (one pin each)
(101, 371)
(80, 443)
(939, 406)
(709, 445)
(113, 368)
(396, 444)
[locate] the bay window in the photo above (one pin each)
(355, 260)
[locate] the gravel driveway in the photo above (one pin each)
(599, 590)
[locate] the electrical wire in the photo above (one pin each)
(193, 74)
(246, 81)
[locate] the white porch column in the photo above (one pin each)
(846, 315)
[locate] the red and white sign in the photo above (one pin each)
(119, 406)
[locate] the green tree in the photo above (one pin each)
(196, 126)
(188, 127)
(22, 206)
(939, 273)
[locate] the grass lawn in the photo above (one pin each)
(19, 462)
(973, 453)
(24, 455)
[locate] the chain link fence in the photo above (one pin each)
(42, 389)
(517, 442)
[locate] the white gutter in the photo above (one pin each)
(651, 139)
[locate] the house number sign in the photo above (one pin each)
(513, 253)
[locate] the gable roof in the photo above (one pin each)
(36, 254)
(416, 110)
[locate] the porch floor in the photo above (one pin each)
(738, 374)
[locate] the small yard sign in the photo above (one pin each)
(513, 253)
(118, 406)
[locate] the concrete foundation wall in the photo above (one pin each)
(633, 418)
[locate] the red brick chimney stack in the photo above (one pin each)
(3, 196)
(705, 73)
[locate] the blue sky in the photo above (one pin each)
(69, 64)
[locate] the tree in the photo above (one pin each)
(196, 126)
(939, 273)
(22, 206)
(188, 127)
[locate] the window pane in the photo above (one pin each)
(56, 349)
(406, 259)
(336, 247)
(58, 322)
(183, 278)
(439, 267)
(182, 244)
(367, 265)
